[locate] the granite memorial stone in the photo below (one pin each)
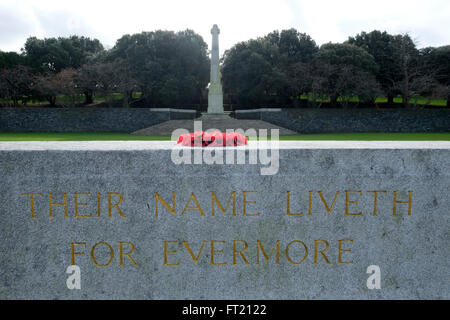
(121, 220)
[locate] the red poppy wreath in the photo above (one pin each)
(212, 139)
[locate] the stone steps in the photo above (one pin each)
(166, 128)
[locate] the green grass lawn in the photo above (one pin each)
(398, 99)
(119, 96)
(373, 136)
(105, 136)
(74, 136)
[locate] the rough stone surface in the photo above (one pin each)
(86, 119)
(412, 251)
(353, 120)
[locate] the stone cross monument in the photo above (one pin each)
(215, 95)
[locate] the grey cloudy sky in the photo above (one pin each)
(427, 21)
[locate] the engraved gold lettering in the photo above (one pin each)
(111, 254)
(73, 244)
(213, 252)
(166, 253)
(348, 202)
(31, 201)
(267, 257)
(98, 204)
(310, 203)
(249, 202)
(288, 206)
(341, 250)
(241, 252)
(316, 242)
(51, 204)
(195, 258)
(304, 257)
(127, 254)
(197, 206)
(409, 202)
(325, 203)
(115, 205)
(375, 199)
(215, 200)
(165, 204)
(80, 204)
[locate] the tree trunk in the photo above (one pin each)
(52, 100)
(372, 102)
(127, 97)
(333, 100)
(448, 100)
(405, 94)
(390, 99)
(89, 97)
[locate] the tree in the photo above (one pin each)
(381, 46)
(171, 69)
(124, 81)
(340, 65)
(248, 76)
(50, 86)
(88, 79)
(16, 84)
(12, 59)
(344, 81)
(295, 52)
(55, 54)
(407, 58)
(267, 70)
(437, 60)
(293, 46)
(347, 54)
(397, 58)
(105, 79)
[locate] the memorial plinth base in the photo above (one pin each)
(214, 116)
(140, 226)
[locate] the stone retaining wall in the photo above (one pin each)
(353, 120)
(86, 119)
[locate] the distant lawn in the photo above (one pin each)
(76, 99)
(398, 99)
(79, 99)
(373, 136)
(109, 136)
(74, 136)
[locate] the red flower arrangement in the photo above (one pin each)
(212, 139)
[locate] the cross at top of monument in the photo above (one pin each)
(215, 29)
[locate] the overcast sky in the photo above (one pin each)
(427, 21)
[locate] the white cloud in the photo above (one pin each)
(239, 20)
(427, 21)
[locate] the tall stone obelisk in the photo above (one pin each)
(215, 95)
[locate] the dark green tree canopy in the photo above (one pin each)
(170, 68)
(438, 59)
(349, 55)
(12, 59)
(392, 53)
(55, 54)
(283, 68)
(260, 71)
(293, 46)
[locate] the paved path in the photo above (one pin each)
(166, 128)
